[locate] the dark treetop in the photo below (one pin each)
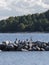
(27, 23)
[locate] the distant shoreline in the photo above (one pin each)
(26, 24)
(24, 32)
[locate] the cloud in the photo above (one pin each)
(46, 1)
(3, 5)
(43, 4)
(22, 7)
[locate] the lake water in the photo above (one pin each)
(24, 58)
(23, 36)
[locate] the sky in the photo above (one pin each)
(22, 7)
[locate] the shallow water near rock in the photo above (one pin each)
(23, 36)
(24, 58)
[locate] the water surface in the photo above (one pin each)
(24, 58)
(23, 36)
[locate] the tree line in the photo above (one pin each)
(27, 23)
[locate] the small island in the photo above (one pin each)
(25, 45)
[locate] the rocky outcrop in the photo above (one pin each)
(25, 46)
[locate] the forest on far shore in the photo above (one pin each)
(27, 23)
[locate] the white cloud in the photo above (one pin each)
(3, 17)
(3, 5)
(46, 1)
(43, 4)
(20, 7)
